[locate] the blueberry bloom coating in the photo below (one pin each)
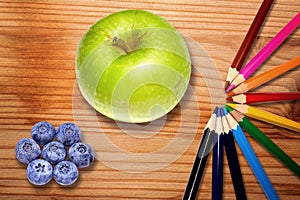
(39, 172)
(54, 152)
(27, 150)
(65, 173)
(43, 132)
(68, 134)
(81, 154)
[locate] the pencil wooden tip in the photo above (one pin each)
(229, 99)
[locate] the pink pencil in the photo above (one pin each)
(265, 52)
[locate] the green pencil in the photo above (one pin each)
(264, 141)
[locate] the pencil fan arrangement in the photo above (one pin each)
(227, 123)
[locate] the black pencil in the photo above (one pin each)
(218, 157)
(233, 162)
(200, 160)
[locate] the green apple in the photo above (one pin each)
(133, 66)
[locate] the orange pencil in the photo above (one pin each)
(265, 77)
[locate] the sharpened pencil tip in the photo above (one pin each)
(225, 110)
(222, 111)
(230, 87)
(229, 99)
(228, 108)
(219, 112)
(216, 110)
(231, 93)
(232, 105)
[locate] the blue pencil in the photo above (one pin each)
(250, 156)
(233, 161)
(218, 156)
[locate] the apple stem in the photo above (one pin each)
(118, 42)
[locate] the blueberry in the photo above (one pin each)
(39, 172)
(43, 132)
(81, 154)
(65, 173)
(68, 134)
(27, 150)
(54, 152)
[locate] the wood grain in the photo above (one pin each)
(38, 41)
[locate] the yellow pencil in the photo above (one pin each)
(266, 116)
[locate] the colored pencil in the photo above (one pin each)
(250, 98)
(266, 116)
(233, 161)
(248, 41)
(201, 158)
(264, 53)
(256, 81)
(259, 136)
(251, 158)
(218, 157)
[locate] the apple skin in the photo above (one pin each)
(133, 66)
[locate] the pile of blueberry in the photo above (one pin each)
(54, 153)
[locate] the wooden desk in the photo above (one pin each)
(38, 41)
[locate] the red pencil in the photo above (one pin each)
(249, 98)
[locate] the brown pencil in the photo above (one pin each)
(248, 41)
